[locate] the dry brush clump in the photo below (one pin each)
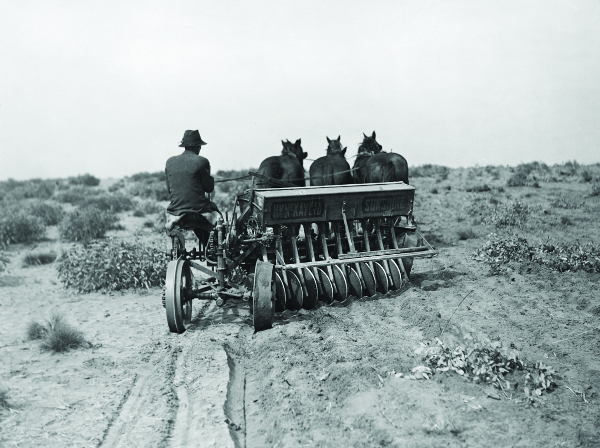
(49, 212)
(113, 265)
(4, 403)
(55, 334)
(76, 195)
(515, 213)
(569, 257)
(86, 224)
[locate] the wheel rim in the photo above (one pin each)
(263, 296)
(178, 308)
(281, 293)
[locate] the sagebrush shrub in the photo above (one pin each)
(113, 265)
(27, 189)
(85, 179)
(155, 190)
(109, 202)
(149, 207)
(18, 226)
(86, 224)
(50, 213)
(76, 195)
(4, 398)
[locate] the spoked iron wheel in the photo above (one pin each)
(179, 307)
(263, 296)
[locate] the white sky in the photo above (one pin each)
(108, 87)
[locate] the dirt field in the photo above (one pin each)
(325, 377)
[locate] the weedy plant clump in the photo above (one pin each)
(27, 189)
(478, 359)
(76, 195)
(513, 213)
(569, 257)
(113, 265)
(85, 224)
(56, 334)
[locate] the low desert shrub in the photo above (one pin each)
(595, 190)
(566, 221)
(112, 265)
(114, 203)
(478, 188)
(148, 178)
(154, 190)
(586, 176)
(85, 179)
(38, 258)
(434, 191)
(511, 214)
(18, 226)
(76, 195)
(27, 189)
(466, 234)
(49, 212)
(138, 214)
(148, 208)
(429, 170)
(570, 257)
(86, 224)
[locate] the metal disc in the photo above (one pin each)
(263, 295)
(340, 283)
(395, 274)
(281, 293)
(369, 279)
(312, 290)
(326, 285)
(296, 295)
(383, 285)
(354, 283)
(179, 310)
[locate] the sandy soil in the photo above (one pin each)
(320, 377)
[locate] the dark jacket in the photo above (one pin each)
(188, 179)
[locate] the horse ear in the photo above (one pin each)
(282, 142)
(298, 142)
(339, 137)
(365, 135)
(344, 151)
(328, 141)
(373, 136)
(304, 155)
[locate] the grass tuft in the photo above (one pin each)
(60, 336)
(39, 258)
(4, 398)
(36, 330)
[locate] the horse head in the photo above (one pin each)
(295, 150)
(335, 147)
(369, 145)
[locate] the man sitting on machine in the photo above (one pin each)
(188, 181)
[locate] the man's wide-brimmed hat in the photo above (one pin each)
(191, 138)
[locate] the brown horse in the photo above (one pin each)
(331, 169)
(373, 165)
(288, 167)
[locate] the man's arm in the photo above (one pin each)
(168, 186)
(208, 182)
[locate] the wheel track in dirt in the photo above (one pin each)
(180, 401)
